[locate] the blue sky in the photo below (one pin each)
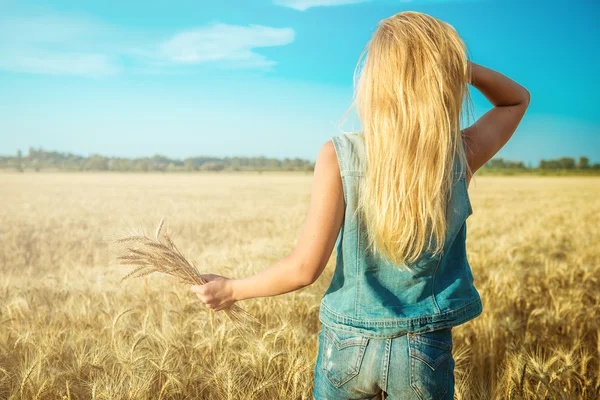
(267, 77)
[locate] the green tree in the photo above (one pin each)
(189, 165)
(566, 162)
(96, 163)
(19, 162)
(212, 166)
(583, 163)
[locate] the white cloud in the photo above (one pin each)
(227, 43)
(87, 64)
(78, 45)
(303, 5)
(53, 44)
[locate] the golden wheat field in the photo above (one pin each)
(69, 329)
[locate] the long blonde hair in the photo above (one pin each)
(409, 99)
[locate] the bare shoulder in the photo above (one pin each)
(328, 149)
(327, 157)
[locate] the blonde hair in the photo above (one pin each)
(414, 78)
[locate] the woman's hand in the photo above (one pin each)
(216, 293)
(472, 71)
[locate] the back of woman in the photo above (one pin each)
(393, 200)
(402, 279)
(386, 328)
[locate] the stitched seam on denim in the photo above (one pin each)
(352, 156)
(343, 343)
(357, 291)
(433, 342)
(355, 212)
(351, 227)
(399, 330)
(377, 322)
(339, 153)
(412, 371)
(363, 349)
(354, 173)
(386, 363)
(325, 337)
(439, 310)
(470, 206)
(345, 191)
(336, 382)
(413, 356)
(360, 342)
(432, 365)
(446, 383)
(392, 322)
(341, 328)
(352, 372)
(340, 157)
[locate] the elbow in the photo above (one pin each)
(305, 278)
(526, 97)
(305, 272)
(305, 282)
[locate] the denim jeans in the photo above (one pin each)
(417, 366)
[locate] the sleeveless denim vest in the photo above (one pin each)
(373, 297)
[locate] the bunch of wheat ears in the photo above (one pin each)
(160, 254)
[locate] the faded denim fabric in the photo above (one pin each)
(370, 298)
(415, 366)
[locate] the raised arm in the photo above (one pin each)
(491, 132)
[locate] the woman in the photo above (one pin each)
(395, 198)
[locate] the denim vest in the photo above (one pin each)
(371, 296)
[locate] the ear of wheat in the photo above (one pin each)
(160, 254)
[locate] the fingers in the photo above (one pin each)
(206, 294)
(197, 289)
(209, 277)
(201, 292)
(214, 305)
(210, 304)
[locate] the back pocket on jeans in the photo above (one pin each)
(343, 353)
(430, 359)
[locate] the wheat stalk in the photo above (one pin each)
(160, 254)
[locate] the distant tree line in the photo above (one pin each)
(38, 159)
(562, 163)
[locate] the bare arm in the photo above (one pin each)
(491, 132)
(309, 258)
(315, 245)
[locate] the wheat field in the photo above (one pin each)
(69, 329)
